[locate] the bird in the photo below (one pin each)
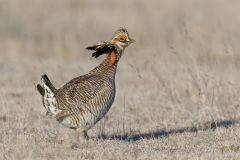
(84, 100)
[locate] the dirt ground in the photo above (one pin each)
(178, 87)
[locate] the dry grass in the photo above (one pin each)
(178, 88)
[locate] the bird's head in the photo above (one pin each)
(121, 39)
(115, 47)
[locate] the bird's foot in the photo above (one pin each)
(82, 135)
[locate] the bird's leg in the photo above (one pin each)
(78, 132)
(85, 135)
(81, 134)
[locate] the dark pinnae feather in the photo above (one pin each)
(101, 48)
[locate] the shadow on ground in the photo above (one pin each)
(165, 133)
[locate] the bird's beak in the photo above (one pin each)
(131, 40)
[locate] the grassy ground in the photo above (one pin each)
(178, 88)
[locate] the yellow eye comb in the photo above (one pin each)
(121, 37)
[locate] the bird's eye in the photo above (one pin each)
(121, 37)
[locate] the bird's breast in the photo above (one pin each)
(99, 106)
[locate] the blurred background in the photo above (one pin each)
(203, 30)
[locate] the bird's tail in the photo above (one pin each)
(47, 90)
(46, 84)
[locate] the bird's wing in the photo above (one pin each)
(76, 95)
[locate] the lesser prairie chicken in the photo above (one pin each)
(84, 100)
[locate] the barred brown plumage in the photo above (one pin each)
(84, 100)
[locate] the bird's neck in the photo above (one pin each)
(108, 65)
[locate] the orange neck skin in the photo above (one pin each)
(113, 57)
